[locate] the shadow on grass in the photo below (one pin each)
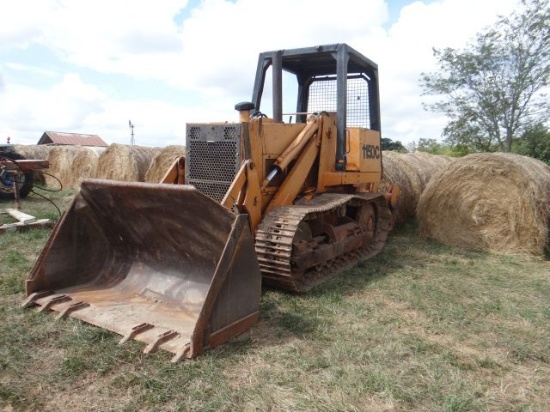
(404, 249)
(291, 316)
(309, 315)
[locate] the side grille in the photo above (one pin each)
(212, 158)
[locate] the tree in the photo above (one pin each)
(435, 147)
(494, 89)
(395, 146)
(429, 146)
(535, 143)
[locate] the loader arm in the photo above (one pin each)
(295, 148)
(292, 185)
(176, 173)
(245, 192)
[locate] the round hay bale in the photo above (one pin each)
(446, 160)
(426, 165)
(396, 171)
(497, 202)
(60, 171)
(422, 165)
(40, 152)
(127, 163)
(85, 164)
(162, 161)
(410, 169)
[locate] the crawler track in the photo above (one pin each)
(303, 245)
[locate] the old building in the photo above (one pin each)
(61, 138)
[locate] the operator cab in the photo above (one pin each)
(330, 78)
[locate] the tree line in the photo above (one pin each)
(494, 90)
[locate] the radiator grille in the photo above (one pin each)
(212, 158)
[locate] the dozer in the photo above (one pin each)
(179, 264)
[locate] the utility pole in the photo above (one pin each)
(132, 141)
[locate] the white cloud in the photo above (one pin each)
(208, 62)
(65, 106)
(221, 40)
(20, 22)
(406, 52)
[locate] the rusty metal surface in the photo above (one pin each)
(129, 254)
(27, 164)
(63, 138)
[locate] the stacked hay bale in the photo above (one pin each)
(60, 172)
(496, 202)
(412, 172)
(85, 164)
(396, 171)
(426, 165)
(40, 152)
(162, 161)
(126, 163)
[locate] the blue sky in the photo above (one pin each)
(89, 67)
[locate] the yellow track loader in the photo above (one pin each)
(179, 264)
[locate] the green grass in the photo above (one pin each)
(421, 327)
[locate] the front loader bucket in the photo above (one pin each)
(162, 264)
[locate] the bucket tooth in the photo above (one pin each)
(163, 337)
(54, 301)
(33, 297)
(183, 353)
(142, 327)
(71, 308)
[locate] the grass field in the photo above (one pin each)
(421, 327)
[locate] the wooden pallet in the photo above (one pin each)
(24, 222)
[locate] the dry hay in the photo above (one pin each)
(40, 152)
(426, 165)
(85, 164)
(162, 161)
(496, 202)
(412, 172)
(397, 171)
(127, 163)
(60, 171)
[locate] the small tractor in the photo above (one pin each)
(16, 173)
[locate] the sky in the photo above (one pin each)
(92, 66)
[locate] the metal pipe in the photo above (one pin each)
(277, 70)
(342, 58)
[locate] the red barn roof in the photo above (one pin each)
(72, 139)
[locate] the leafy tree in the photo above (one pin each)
(535, 142)
(440, 148)
(459, 150)
(389, 144)
(429, 146)
(493, 90)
